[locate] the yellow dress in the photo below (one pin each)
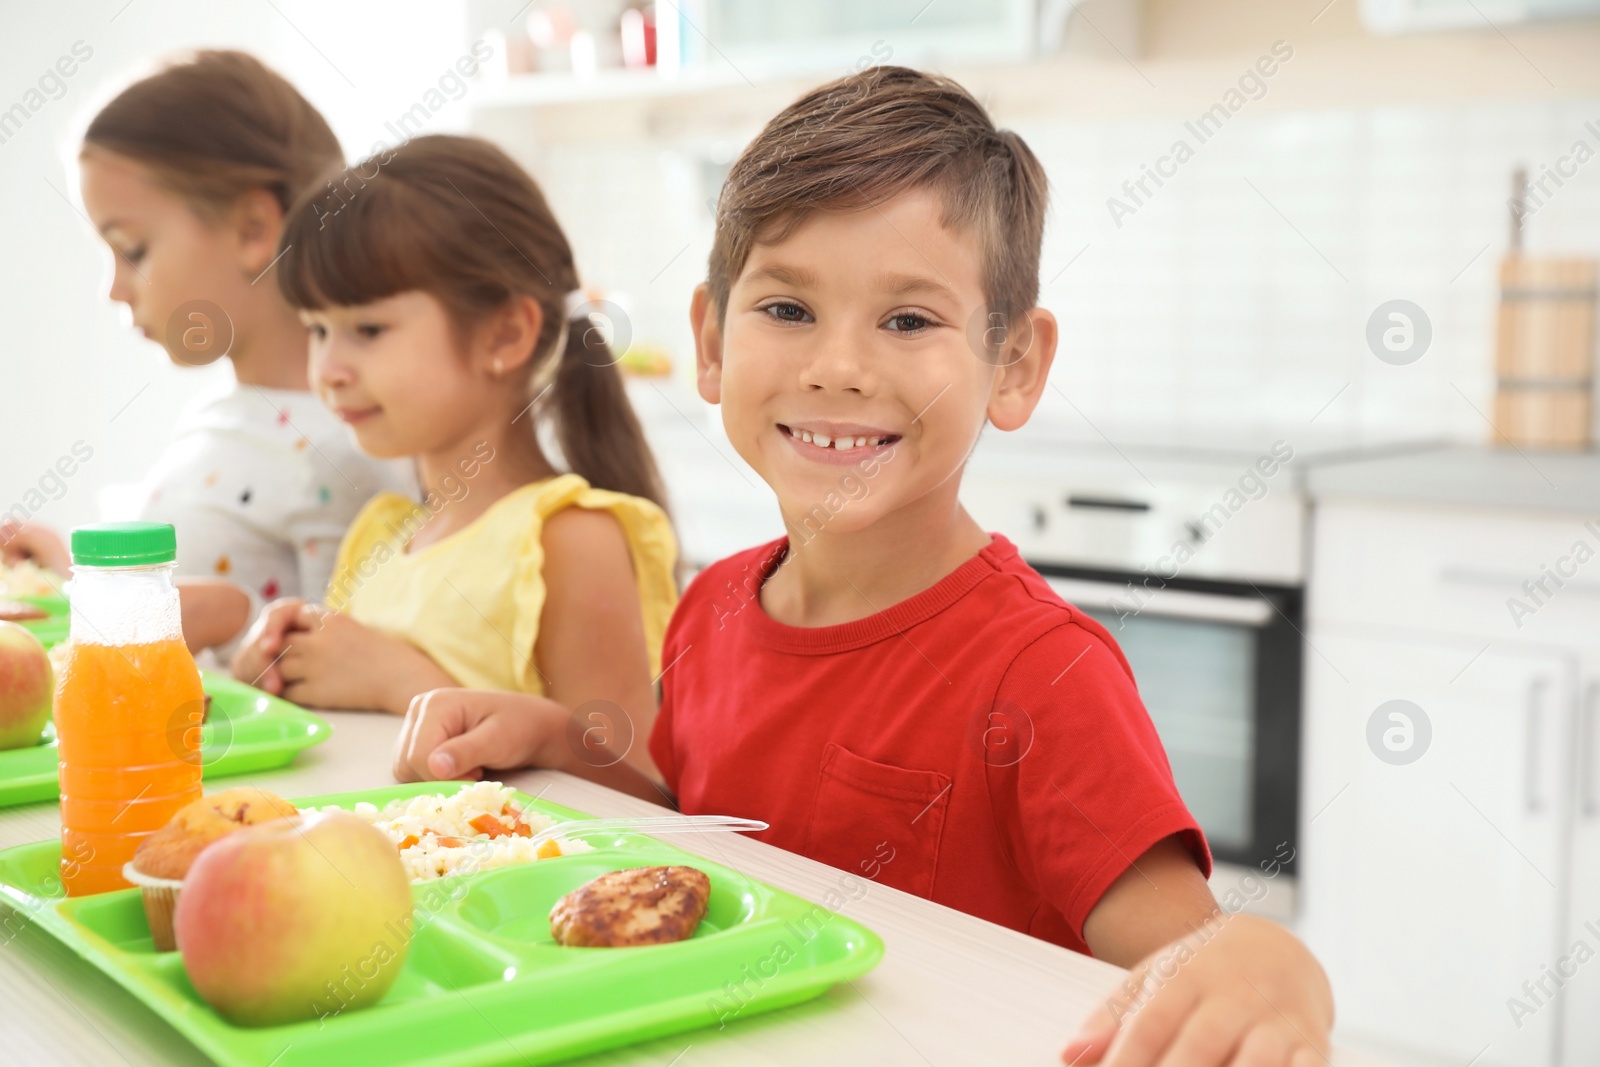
(472, 601)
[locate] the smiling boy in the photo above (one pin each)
(891, 687)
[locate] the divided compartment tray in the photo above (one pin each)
(52, 629)
(483, 982)
(246, 730)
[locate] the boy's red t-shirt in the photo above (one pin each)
(981, 744)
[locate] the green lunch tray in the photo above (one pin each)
(52, 630)
(246, 730)
(483, 981)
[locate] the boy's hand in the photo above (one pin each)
(256, 662)
(330, 660)
(460, 733)
(30, 541)
(1241, 991)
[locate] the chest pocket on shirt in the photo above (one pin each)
(878, 821)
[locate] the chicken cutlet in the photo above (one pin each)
(638, 906)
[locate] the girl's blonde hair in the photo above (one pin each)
(457, 218)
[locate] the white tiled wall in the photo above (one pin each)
(1238, 295)
(1240, 291)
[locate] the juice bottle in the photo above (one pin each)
(128, 703)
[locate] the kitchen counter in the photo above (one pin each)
(952, 989)
(1471, 476)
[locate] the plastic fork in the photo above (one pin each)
(654, 824)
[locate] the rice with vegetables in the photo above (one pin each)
(27, 578)
(479, 828)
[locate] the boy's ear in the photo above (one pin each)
(257, 220)
(707, 344)
(1023, 370)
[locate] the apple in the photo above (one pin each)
(26, 687)
(295, 919)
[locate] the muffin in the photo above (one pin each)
(163, 859)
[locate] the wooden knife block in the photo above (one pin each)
(1545, 351)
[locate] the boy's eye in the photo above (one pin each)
(368, 330)
(784, 311)
(908, 322)
(316, 330)
(135, 254)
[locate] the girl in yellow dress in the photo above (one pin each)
(446, 326)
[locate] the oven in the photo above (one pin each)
(1218, 667)
(1195, 564)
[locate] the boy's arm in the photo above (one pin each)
(598, 725)
(591, 650)
(460, 733)
(1206, 988)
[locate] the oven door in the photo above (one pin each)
(1218, 666)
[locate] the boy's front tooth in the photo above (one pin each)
(821, 440)
(844, 443)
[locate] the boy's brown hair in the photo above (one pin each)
(868, 137)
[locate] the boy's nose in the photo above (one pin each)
(835, 366)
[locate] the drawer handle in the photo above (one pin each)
(1589, 738)
(1535, 733)
(1506, 579)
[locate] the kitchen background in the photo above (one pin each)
(1225, 319)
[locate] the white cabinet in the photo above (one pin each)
(1581, 1037)
(1456, 899)
(1432, 889)
(1509, 577)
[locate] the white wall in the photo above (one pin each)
(1238, 294)
(1206, 307)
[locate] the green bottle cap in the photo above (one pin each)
(124, 544)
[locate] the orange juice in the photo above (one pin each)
(129, 721)
(128, 704)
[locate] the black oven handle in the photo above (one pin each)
(1130, 599)
(1107, 503)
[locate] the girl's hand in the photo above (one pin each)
(459, 733)
(30, 541)
(214, 611)
(332, 661)
(1241, 990)
(256, 661)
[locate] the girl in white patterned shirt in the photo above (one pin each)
(188, 174)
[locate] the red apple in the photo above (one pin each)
(294, 919)
(26, 687)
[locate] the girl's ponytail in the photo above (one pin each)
(599, 434)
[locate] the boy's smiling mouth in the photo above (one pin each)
(837, 442)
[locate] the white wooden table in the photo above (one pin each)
(951, 989)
